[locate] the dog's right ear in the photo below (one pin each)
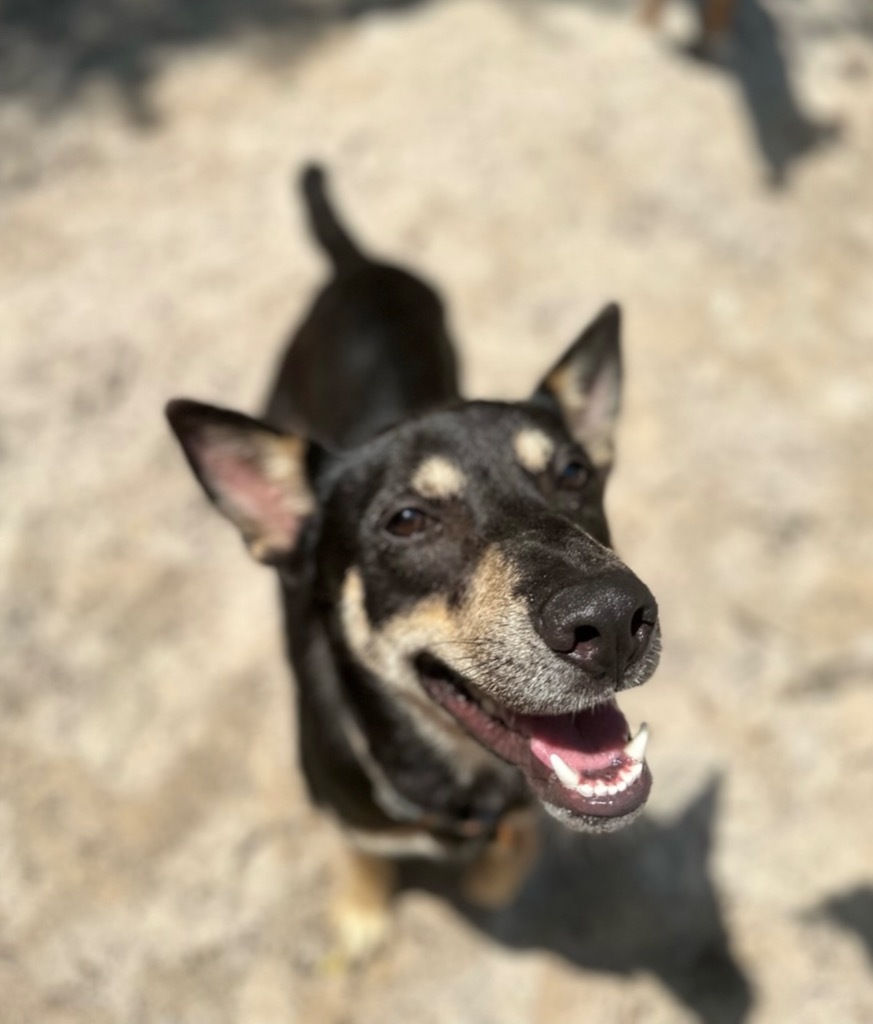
(255, 476)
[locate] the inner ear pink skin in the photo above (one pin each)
(259, 506)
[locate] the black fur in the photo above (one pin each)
(370, 379)
(373, 350)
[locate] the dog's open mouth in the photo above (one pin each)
(585, 763)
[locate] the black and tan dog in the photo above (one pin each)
(457, 622)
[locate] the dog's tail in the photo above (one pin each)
(332, 236)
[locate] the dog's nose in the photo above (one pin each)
(603, 625)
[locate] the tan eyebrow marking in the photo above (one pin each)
(439, 478)
(533, 448)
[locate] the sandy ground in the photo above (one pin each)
(158, 862)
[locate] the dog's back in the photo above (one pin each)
(373, 350)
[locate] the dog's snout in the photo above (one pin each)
(603, 624)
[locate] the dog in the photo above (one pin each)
(457, 622)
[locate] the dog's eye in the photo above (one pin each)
(407, 522)
(573, 475)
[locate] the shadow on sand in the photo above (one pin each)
(853, 912)
(641, 900)
(751, 51)
(753, 54)
(51, 49)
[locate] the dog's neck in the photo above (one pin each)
(363, 756)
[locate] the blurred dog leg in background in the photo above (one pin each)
(715, 19)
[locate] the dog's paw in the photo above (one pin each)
(360, 930)
(361, 910)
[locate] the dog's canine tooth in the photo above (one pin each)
(566, 776)
(636, 748)
(629, 775)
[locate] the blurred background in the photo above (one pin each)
(709, 166)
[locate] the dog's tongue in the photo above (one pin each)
(588, 741)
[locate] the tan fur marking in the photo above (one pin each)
(362, 905)
(283, 466)
(281, 460)
(492, 597)
(451, 634)
(430, 624)
(495, 878)
(497, 632)
(564, 385)
(534, 449)
(489, 630)
(388, 652)
(439, 479)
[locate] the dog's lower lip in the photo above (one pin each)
(600, 783)
(609, 805)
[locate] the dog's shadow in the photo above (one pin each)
(757, 60)
(752, 52)
(853, 912)
(641, 900)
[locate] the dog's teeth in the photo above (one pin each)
(636, 748)
(566, 776)
(627, 777)
(489, 706)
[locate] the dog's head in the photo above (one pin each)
(464, 560)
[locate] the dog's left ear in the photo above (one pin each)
(584, 387)
(255, 476)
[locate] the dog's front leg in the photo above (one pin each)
(361, 908)
(495, 878)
